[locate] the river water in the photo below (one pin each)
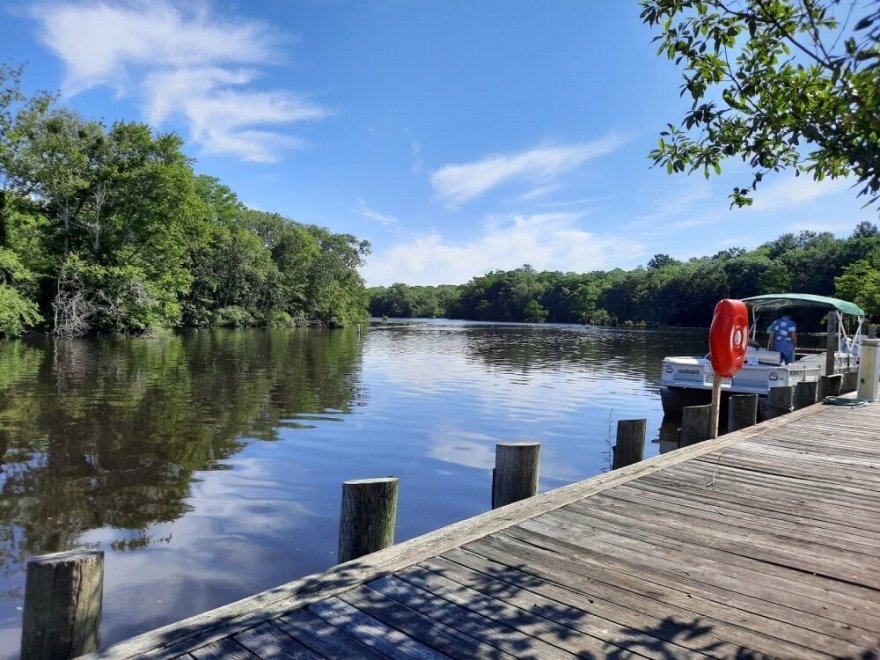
(208, 465)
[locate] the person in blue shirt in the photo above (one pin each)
(783, 338)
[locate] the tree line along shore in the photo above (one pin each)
(664, 292)
(110, 229)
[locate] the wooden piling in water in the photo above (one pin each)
(805, 394)
(62, 605)
(516, 472)
(829, 386)
(742, 411)
(630, 447)
(369, 514)
(695, 424)
(780, 401)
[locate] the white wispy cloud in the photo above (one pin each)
(547, 241)
(180, 61)
(415, 150)
(538, 193)
(684, 197)
(367, 212)
(793, 192)
(460, 183)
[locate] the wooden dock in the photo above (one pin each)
(761, 543)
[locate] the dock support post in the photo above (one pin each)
(742, 411)
(779, 401)
(850, 380)
(695, 424)
(516, 472)
(62, 605)
(369, 514)
(805, 394)
(868, 370)
(830, 386)
(831, 342)
(630, 447)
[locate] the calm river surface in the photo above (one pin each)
(208, 465)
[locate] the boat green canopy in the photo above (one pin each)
(774, 301)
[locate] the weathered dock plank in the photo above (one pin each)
(420, 627)
(762, 542)
(673, 608)
(324, 639)
(734, 498)
(268, 641)
(491, 632)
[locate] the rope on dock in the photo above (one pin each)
(844, 401)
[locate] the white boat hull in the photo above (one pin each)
(687, 381)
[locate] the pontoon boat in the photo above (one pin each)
(687, 381)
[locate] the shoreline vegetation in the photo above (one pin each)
(665, 293)
(110, 230)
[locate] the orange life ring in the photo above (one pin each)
(729, 337)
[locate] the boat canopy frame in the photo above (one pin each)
(777, 301)
(774, 302)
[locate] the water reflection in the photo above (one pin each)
(207, 465)
(669, 433)
(110, 433)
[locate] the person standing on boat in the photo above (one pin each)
(783, 337)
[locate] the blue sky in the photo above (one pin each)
(456, 136)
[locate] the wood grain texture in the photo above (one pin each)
(780, 401)
(516, 472)
(805, 394)
(696, 424)
(62, 605)
(742, 411)
(630, 445)
(223, 649)
(419, 626)
(268, 641)
(371, 631)
(323, 638)
(368, 518)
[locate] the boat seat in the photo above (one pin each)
(763, 356)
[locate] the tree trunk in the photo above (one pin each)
(65, 217)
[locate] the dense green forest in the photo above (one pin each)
(110, 229)
(665, 292)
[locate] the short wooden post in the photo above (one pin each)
(516, 472)
(872, 331)
(62, 605)
(805, 394)
(830, 386)
(779, 401)
(831, 342)
(850, 380)
(742, 411)
(630, 447)
(369, 514)
(695, 424)
(868, 366)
